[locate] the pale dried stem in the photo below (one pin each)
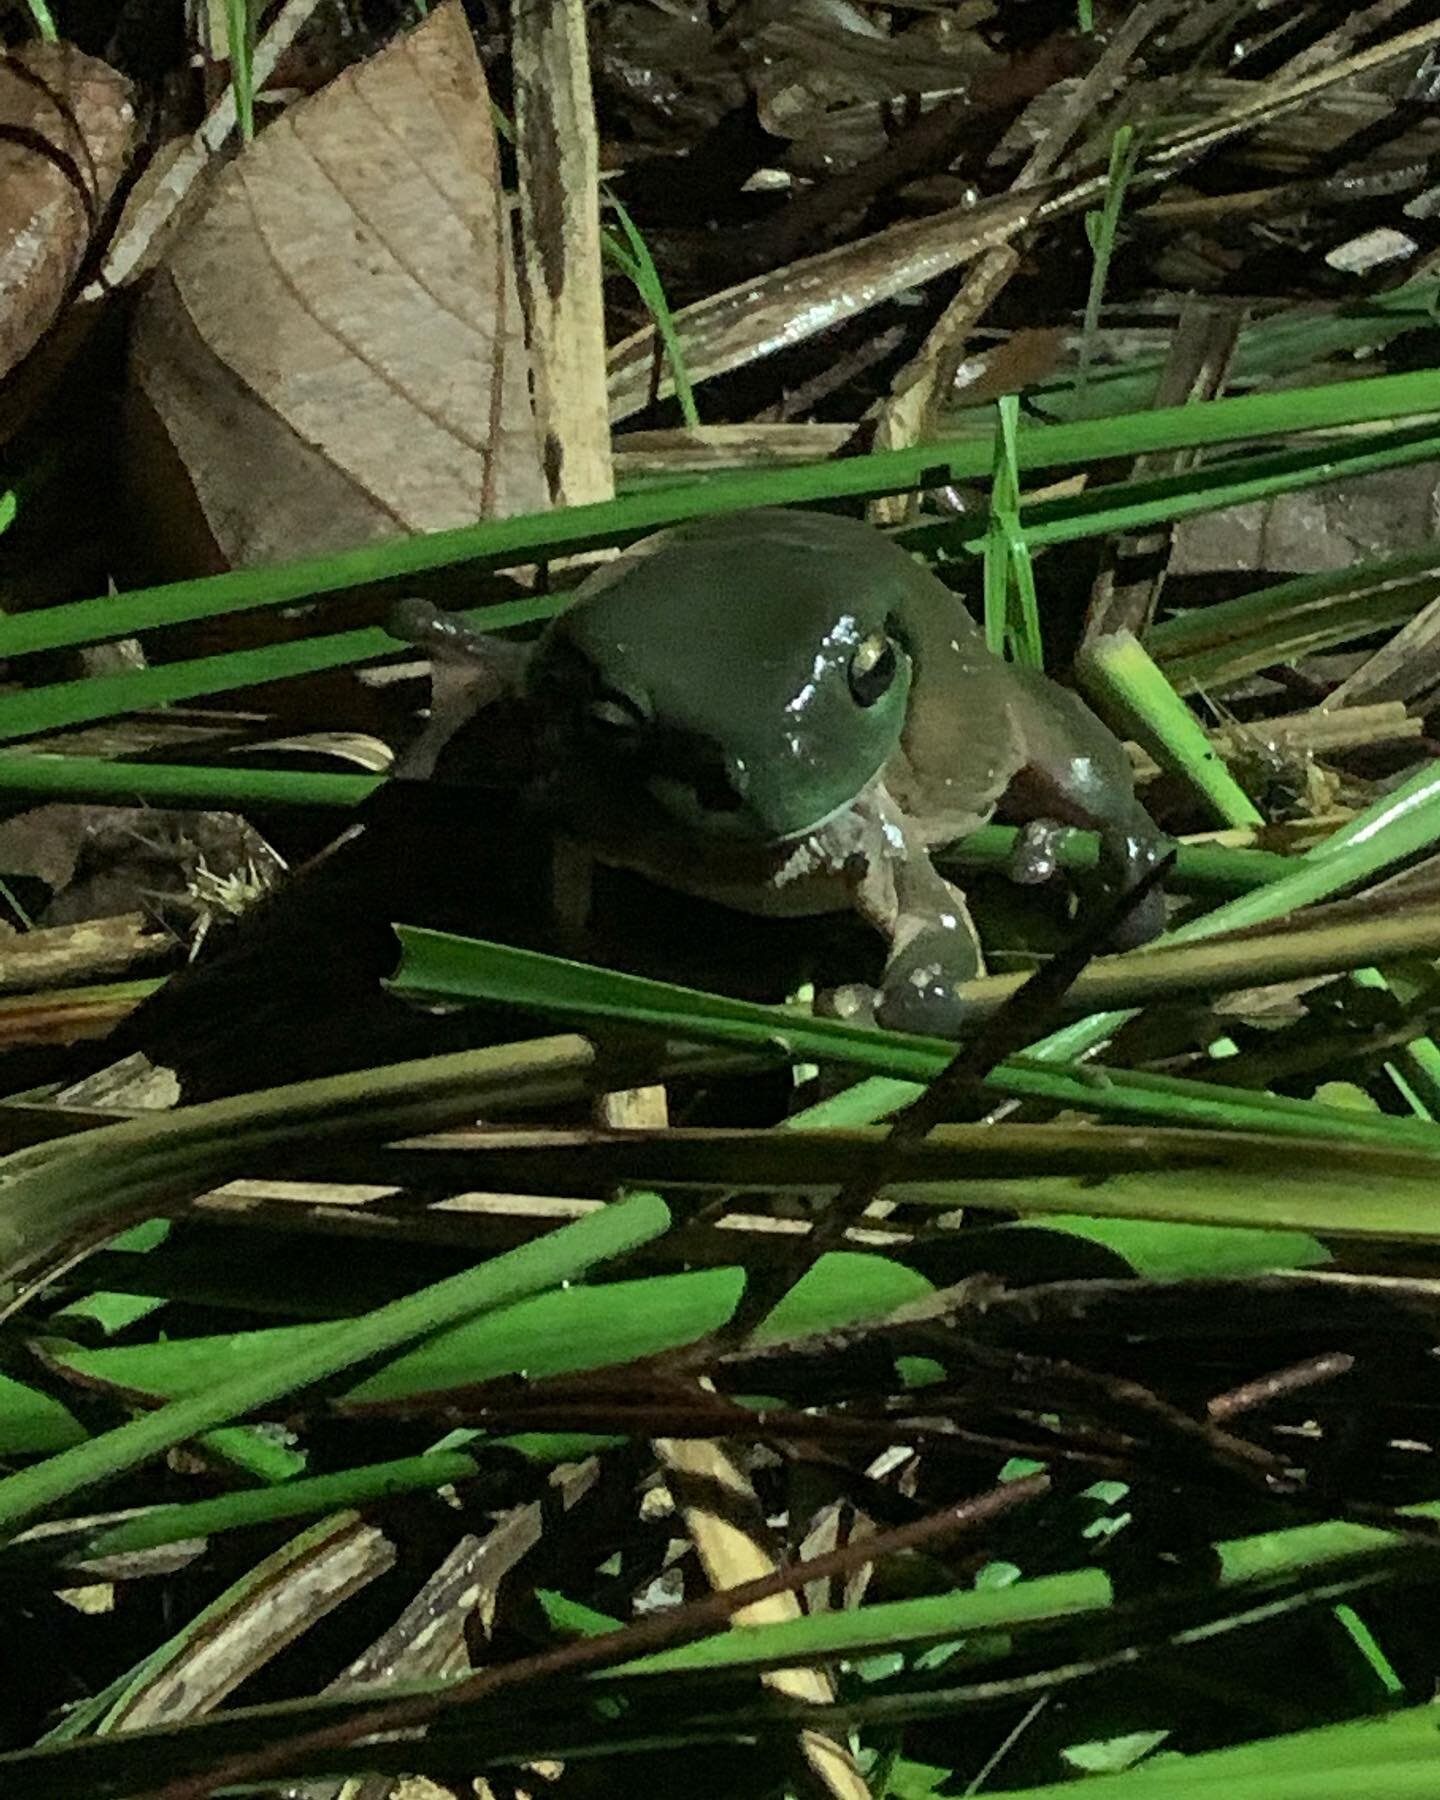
(559, 163)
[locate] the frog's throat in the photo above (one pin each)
(835, 812)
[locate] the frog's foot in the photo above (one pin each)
(1127, 855)
(422, 623)
(923, 1000)
(920, 989)
(1035, 858)
(852, 1004)
(933, 942)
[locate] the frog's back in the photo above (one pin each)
(766, 567)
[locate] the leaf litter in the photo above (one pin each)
(867, 223)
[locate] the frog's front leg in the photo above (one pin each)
(933, 942)
(1130, 847)
(1076, 773)
(469, 671)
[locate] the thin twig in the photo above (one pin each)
(1008, 1031)
(587, 1655)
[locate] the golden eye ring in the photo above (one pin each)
(872, 668)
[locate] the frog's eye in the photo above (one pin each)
(872, 669)
(613, 715)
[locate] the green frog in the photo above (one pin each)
(784, 712)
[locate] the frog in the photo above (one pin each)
(784, 711)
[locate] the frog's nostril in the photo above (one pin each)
(720, 786)
(698, 780)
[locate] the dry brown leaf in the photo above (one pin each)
(1321, 528)
(67, 128)
(334, 349)
(172, 181)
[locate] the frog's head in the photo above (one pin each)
(748, 673)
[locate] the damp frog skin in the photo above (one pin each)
(784, 712)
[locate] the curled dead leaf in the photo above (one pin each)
(67, 130)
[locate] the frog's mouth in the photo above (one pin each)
(747, 810)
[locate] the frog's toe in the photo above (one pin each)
(1126, 857)
(1141, 923)
(853, 1004)
(1035, 858)
(924, 999)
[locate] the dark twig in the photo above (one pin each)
(586, 1655)
(954, 1092)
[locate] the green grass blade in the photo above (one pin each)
(639, 265)
(503, 543)
(1012, 628)
(1395, 828)
(1126, 685)
(1389, 1757)
(1311, 1184)
(562, 1332)
(235, 784)
(1234, 638)
(95, 778)
(1269, 350)
(1358, 1757)
(1196, 865)
(444, 967)
(1232, 481)
(68, 703)
(240, 35)
(86, 1186)
(1103, 229)
(1126, 507)
(561, 1255)
(44, 21)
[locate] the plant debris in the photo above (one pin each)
(469, 1318)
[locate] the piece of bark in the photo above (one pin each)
(1403, 669)
(334, 349)
(757, 318)
(68, 954)
(559, 164)
(67, 130)
(132, 1085)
